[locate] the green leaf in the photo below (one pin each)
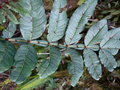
(17, 7)
(107, 59)
(2, 17)
(81, 2)
(78, 21)
(25, 61)
(92, 63)
(75, 67)
(96, 33)
(33, 83)
(9, 32)
(33, 26)
(7, 52)
(58, 21)
(11, 16)
(111, 39)
(48, 67)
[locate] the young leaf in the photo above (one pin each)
(107, 59)
(111, 39)
(96, 33)
(48, 67)
(58, 21)
(11, 16)
(78, 21)
(92, 63)
(9, 32)
(75, 67)
(25, 61)
(7, 52)
(33, 26)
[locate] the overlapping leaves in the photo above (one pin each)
(97, 36)
(98, 39)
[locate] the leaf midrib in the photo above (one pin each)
(79, 22)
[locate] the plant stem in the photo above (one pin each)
(41, 43)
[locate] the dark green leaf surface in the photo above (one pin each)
(25, 61)
(7, 52)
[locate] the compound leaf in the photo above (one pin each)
(7, 52)
(75, 67)
(33, 26)
(48, 67)
(92, 63)
(25, 61)
(58, 21)
(107, 59)
(78, 21)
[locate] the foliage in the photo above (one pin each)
(33, 83)
(99, 45)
